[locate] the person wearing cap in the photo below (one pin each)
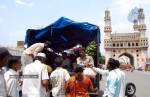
(58, 79)
(79, 85)
(4, 55)
(35, 78)
(29, 53)
(12, 77)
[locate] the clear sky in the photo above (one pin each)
(16, 16)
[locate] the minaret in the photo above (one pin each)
(107, 28)
(135, 21)
(142, 26)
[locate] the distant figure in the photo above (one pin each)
(32, 51)
(35, 78)
(66, 61)
(12, 77)
(79, 85)
(58, 79)
(83, 59)
(4, 54)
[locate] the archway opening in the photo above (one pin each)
(126, 59)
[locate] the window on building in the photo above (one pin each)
(121, 45)
(117, 44)
(132, 44)
(114, 55)
(113, 50)
(137, 44)
(137, 50)
(114, 45)
(128, 44)
(137, 55)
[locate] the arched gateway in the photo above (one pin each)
(130, 48)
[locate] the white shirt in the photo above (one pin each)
(12, 83)
(122, 86)
(3, 92)
(32, 87)
(86, 60)
(58, 79)
(112, 82)
(34, 49)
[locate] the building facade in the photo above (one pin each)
(131, 45)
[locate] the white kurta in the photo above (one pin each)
(122, 86)
(32, 86)
(3, 92)
(112, 82)
(58, 79)
(12, 83)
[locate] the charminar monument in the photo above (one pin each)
(128, 48)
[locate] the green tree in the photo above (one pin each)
(102, 59)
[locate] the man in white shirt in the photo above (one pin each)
(4, 54)
(122, 78)
(11, 77)
(32, 51)
(35, 78)
(113, 80)
(58, 79)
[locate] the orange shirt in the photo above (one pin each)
(76, 88)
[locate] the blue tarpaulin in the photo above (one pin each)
(64, 33)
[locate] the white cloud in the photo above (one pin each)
(3, 6)
(22, 2)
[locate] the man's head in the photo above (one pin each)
(59, 61)
(82, 52)
(41, 57)
(47, 44)
(64, 55)
(79, 72)
(111, 64)
(4, 54)
(14, 63)
(117, 63)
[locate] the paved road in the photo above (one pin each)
(140, 78)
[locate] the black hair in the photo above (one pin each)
(48, 43)
(112, 63)
(117, 63)
(3, 53)
(59, 61)
(78, 69)
(12, 60)
(64, 53)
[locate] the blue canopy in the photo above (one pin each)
(64, 33)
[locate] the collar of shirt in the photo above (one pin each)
(13, 71)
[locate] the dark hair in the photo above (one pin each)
(112, 63)
(78, 69)
(12, 60)
(59, 61)
(3, 53)
(48, 43)
(64, 53)
(117, 63)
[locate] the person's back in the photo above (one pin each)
(58, 79)
(122, 78)
(33, 75)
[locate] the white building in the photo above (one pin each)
(132, 45)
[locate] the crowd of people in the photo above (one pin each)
(37, 79)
